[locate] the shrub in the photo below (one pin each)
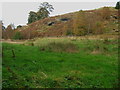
(60, 47)
(99, 47)
(19, 26)
(17, 36)
(69, 33)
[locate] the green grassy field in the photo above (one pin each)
(94, 65)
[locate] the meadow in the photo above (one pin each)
(60, 63)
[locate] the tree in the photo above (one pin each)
(19, 26)
(1, 25)
(99, 27)
(9, 32)
(32, 17)
(95, 22)
(9, 27)
(17, 35)
(117, 5)
(44, 10)
(67, 30)
(90, 19)
(105, 13)
(79, 24)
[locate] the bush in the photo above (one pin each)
(60, 47)
(17, 36)
(69, 33)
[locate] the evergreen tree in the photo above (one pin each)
(32, 17)
(117, 5)
(44, 10)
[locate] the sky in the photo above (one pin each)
(17, 12)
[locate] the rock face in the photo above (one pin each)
(114, 16)
(115, 30)
(51, 23)
(64, 19)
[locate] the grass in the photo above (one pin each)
(33, 68)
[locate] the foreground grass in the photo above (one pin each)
(94, 66)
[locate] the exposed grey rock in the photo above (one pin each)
(51, 23)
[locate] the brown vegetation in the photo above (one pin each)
(60, 47)
(90, 22)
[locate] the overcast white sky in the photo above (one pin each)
(17, 12)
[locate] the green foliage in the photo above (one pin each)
(69, 33)
(42, 13)
(19, 26)
(17, 36)
(117, 5)
(44, 10)
(32, 17)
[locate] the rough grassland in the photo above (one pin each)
(94, 66)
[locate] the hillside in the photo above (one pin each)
(89, 22)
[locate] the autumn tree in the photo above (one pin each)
(86, 23)
(79, 24)
(94, 22)
(67, 29)
(105, 13)
(8, 33)
(90, 21)
(99, 27)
